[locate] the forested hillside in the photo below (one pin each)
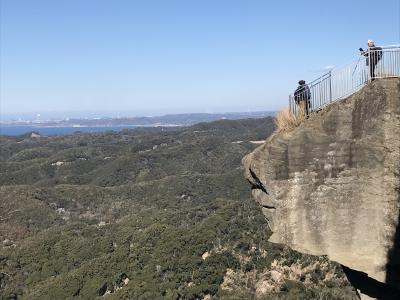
(154, 213)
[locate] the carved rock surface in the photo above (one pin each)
(332, 185)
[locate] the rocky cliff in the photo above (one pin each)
(332, 185)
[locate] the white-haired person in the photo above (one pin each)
(373, 56)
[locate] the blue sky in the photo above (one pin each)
(165, 56)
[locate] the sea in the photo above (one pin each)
(22, 129)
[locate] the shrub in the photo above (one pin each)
(287, 120)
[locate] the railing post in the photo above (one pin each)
(369, 65)
(330, 85)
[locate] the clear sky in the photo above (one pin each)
(164, 56)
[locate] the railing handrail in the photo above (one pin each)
(390, 46)
(343, 81)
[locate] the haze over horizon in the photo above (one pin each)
(161, 57)
(81, 115)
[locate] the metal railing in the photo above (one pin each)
(341, 82)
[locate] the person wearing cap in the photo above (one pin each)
(373, 56)
(302, 96)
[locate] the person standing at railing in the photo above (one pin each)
(373, 56)
(302, 96)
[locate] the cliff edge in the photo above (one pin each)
(332, 185)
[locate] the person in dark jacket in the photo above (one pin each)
(302, 96)
(373, 56)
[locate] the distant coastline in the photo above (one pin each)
(70, 126)
(15, 130)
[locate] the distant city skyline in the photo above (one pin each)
(175, 56)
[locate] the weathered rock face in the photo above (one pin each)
(332, 186)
